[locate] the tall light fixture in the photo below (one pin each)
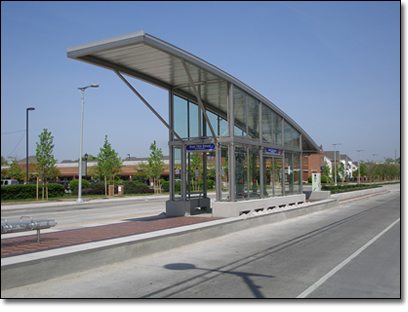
(358, 151)
(28, 109)
(335, 164)
(79, 200)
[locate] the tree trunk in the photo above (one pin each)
(106, 194)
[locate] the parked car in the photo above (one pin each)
(9, 182)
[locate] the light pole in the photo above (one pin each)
(28, 109)
(335, 164)
(79, 200)
(358, 151)
(86, 166)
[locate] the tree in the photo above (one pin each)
(46, 163)
(155, 165)
(109, 164)
(326, 171)
(14, 171)
(4, 161)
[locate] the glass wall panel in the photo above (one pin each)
(180, 116)
(214, 123)
(219, 124)
(296, 173)
(240, 114)
(254, 178)
(253, 117)
(288, 173)
(268, 176)
(223, 126)
(177, 172)
(266, 124)
(295, 138)
(277, 128)
(287, 134)
(193, 120)
(224, 174)
(241, 177)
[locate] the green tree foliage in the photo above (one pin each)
(14, 171)
(73, 185)
(46, 163)
(155, 165)
(109, 164)
(195, 162)
(4, 161)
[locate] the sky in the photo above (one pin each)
(333, 67)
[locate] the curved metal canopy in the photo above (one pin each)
(152, 60)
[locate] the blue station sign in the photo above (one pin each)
(200, 147)
(272, 151)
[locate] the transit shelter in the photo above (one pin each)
(223, 135)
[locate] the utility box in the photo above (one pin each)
(316, 182)
(121, 190)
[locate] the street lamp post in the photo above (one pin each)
(86, 166)
(28, 109)
(79, 200)
(335, 164)
(358, 151)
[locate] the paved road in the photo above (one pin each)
(352, 251)
(69, 214)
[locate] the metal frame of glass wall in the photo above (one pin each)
(262, 148)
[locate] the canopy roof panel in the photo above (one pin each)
(152, 60)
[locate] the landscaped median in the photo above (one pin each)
(334, 189)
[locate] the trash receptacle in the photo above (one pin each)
(121, 190)
(111, 190)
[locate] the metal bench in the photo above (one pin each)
(27, 225)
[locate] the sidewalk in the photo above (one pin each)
(63, 238)
(11, 206)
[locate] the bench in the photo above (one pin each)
(27, 225)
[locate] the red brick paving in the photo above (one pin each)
(28, 244)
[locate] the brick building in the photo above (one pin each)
(312, 164)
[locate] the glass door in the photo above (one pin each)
(277, 176)
(273, 176)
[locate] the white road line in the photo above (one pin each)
(337, 268)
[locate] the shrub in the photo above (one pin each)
(73, 185)
(347, 188)
(134, 187)
(325, 179)
(165, 186)
(95, 185)
(94, 191)
(25, 191)
(210, 184)
(177, 185)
